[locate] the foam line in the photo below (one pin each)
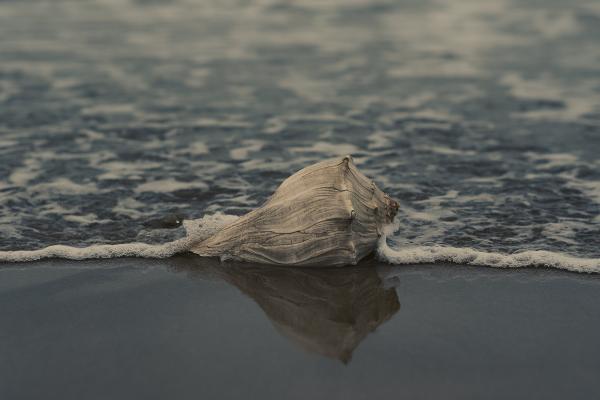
(469, 256)
(204, 227)
(196, 230)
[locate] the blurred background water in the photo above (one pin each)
(118, 118)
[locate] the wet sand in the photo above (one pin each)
(188, 327)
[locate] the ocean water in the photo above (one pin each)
(120, 119)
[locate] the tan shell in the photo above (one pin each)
(327, 214)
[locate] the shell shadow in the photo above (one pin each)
(323, 311)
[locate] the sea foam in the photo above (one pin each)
(196, 230)
(199, 229)
(468, 256)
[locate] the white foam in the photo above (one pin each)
(196, 230)
(246, 147)
(168, 185)
(206, 226)
(330, 149)
(464, 255)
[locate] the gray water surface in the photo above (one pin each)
(481, 117)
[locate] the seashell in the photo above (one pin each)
(327, 214)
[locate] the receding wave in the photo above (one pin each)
(465, 255)
(196, 230)
(206, 226)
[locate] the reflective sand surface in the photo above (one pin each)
(190, 328)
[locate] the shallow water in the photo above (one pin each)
(119, 118)
(187, 327)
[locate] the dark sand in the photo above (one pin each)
(188, 328)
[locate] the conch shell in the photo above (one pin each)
(327, 214)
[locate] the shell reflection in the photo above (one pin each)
(323, 311)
